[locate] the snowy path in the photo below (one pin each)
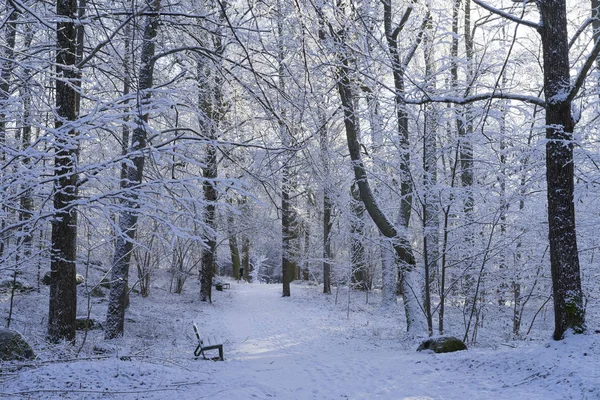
(303, 347)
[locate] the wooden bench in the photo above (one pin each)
(222, 285)
(201, 348)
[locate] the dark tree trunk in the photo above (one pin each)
(286, 232)
(210, 196)
(63, 293)
(431, 209)
(211, 103)
(246, 257)
(357, 250)
(596, 27)
(569, 311)
(400, 243)
(233, 248)
(327, 207)
(26, 200)
(115, 319)
(398, 70)
(7, 66)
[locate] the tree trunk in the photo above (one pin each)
(6, 69)
(431, 207)
(287, 217)
(233, 248)
(327, 207)
(357, 249)
(115, 319)
(569, 311)
(26, 200)
(596, 27)
(389, 274)
(400, 242)
(211, 104)
(286, 231)
(246, 257)
(210, 196)
(465, 123)
(63, 292)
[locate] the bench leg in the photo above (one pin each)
(221, 353)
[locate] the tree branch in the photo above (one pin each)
(507, 15)
(589, 63)
(479, 97)
(403, 21)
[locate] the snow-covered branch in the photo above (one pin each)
(589, 63)
(479, 97)
(506, 15)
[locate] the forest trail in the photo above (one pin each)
(294, 345)
(307, 347)
(303, 347)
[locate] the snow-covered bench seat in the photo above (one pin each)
(202, 346)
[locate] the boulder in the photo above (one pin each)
(444, 344)
(13, 346)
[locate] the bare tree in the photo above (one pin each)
(115, 319)
(559, 92)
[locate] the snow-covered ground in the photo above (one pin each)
(302, 347)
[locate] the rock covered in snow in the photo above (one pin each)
(13, 346)
(443, 344)
(47, 278)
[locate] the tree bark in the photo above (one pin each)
(63, 292)
(398, 70)
(7, 66)
(286, 232)
(357, 250)
(210, 221)
(596, 28)
(246, 257)
(211, 103)
(431, 206)
(399, 241)
(287, 216)
(115, 319)
(569, 311)
(26, 201)
(233, 248)
(327, 207)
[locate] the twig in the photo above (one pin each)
(168, 388)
